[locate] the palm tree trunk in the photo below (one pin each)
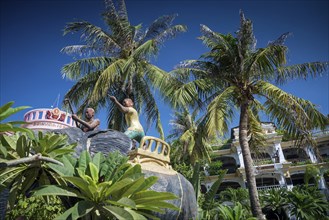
(251, 181)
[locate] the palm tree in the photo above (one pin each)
(116, 61)
(188, 137)
(233, 74)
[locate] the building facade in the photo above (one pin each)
(280, 164)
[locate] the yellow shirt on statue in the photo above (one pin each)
(132, 120)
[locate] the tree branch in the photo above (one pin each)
(32, 159)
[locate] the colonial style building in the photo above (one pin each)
(279, 164)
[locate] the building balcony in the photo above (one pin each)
(271, 187)
(299, 162)
(265, 161)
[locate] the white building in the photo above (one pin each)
(279, 164)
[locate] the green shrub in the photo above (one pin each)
(36, 208)
(214, 168)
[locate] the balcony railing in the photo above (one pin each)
(299, 162)
(258, 162)
(271, 187)
(321, 133)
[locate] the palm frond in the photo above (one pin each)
(203, 149)
(118, 23)
(158, 26)
(255, 131)
(169, 33)
(159, 78)
(82, 89)
(145, 50)
(185, 95)
(81, 50)
(281, 39)
(108, 77)
(264, 61)
(217, 41)
(92, 34)
(115, 118)
(301, 71)
(122, 10)
(295, 115)
(188, 141)
(140, 55)
(219, 113)
(245, 36)
(79, 68)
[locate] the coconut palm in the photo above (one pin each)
(234, 74)
(190, 142)
(117, 61)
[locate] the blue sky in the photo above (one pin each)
(31, 38)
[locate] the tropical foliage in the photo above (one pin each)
(190, 142)
(209, 204)
(303, 202)
(11, 126)
(117, 61)
(214, 167)
(89, 187)
(233, 213)
(312, 173)
(234, 74)
(274, 200)
(106, 191)
(36, 208)
(25, 161)
(307, 203)
(234, 196)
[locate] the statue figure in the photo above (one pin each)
(135, 130)
(90, 124)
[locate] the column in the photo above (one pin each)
(279, 152)
(310, 153)
(240, 157)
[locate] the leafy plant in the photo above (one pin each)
(100, 192)
(185, 169)
(209, 203)
(307, 203)
(36, 208)
(5, 111)
(24, 161)
(233, 213)
(312, 172)
(24, 156)
(239, 195)
(274, 200)
(214, 167)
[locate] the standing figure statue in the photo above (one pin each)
(135, 130)
(90, 124)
